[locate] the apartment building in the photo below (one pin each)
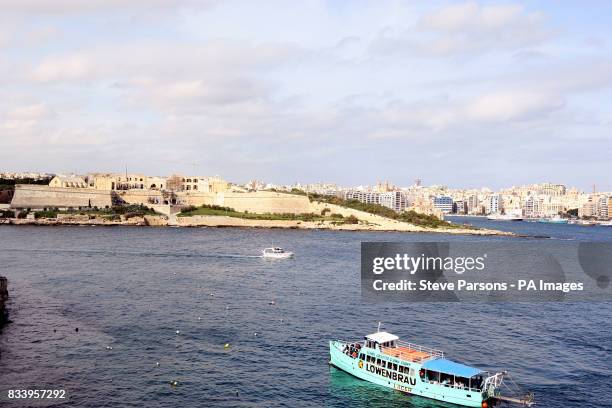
(444, 204)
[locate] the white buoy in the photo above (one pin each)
(255, 334)
(178, 332)
(199, 318)
(109, 348)
(271, 302)
(157, 364)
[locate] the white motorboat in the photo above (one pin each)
(277, 253)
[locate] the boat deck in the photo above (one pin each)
(407, 354)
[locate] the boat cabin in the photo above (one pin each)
(275, 250)
(447, 373)
(379, 340)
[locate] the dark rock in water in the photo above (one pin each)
(3, 297)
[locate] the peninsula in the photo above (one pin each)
(138, 200)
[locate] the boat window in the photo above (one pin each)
(378, 361)
(401, 369)
(446, 379)
(411, 371)
(476, 382)
(361, 356)
(461, 382)
(432, 375)
(395, 366)
(389, 365)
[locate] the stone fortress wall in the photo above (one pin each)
(266, 202)
(37, 197)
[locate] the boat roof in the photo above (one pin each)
(381, 337)
(450, 367)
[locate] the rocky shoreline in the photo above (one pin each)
(379, 225)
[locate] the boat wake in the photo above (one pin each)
(143, 254)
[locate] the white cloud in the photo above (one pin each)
(512, 105)
(161, 59)
(65, 68)
(464, 29)
(194, 96)
(89, 6)
(32, 112)
(471, 16)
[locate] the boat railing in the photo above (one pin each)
(432, 352)
(349, 342)
(493, 382)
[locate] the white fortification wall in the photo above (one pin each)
(35, 196)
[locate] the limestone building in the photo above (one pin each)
(67, 182)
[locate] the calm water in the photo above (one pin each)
(133, 288)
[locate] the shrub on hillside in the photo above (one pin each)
(351, 219)
(7, 214)
(45, 214)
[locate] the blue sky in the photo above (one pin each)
(466, 94)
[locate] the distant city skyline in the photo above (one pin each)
(380, 182)
(458, 93)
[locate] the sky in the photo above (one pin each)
(464, 94)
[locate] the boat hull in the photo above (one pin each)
(410, 384)
(283, 255)
(557, 220)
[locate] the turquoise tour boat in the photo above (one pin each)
(381, 358)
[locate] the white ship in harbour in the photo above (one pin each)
(505, 217)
